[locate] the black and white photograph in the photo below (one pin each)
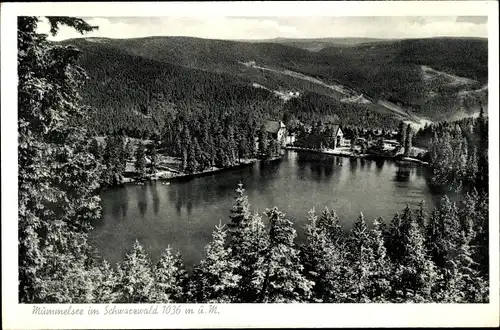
(165, 161)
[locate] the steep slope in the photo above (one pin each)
(428, 76)
(137, 95)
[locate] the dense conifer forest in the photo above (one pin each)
(419, 255)
(134, 83)
(458, 152)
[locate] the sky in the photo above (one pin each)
(284, 27)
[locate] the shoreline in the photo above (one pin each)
(176, 177)
(187, 176)
(352, 155)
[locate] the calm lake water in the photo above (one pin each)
(183, 214)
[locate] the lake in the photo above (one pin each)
(183, 214)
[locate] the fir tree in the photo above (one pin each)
(169, 278)
(329, 222)
(106, 282)
(481, 230)
(191, 162)
(394, 237)
(215, 278)
(402, 134)
(380, 268)
(184, 146)
(153, 154)
(95, 149)
(254, 247)
(360, 256)
(283, 281)
(140, 161)
(135, 277)
(322, 259)
(483, 167)
(129, 151)
(239, 218)
(415, 274)
(248, 244)
(464, 284)
(421, 216)
(407, 142)
(263, 142)
(58, 176)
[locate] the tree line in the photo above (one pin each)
(458, 153)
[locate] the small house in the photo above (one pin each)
(276, 130)
(336, 134)
(290, 139)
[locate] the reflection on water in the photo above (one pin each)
(183, 214)
(156, 198)
(402, 174)
(379, 164)
(142, 200)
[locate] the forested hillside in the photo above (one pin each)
(317, 44)
(434, 78)
(393, 70)
(137, 96)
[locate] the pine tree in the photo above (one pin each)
(329, 222)
(58, 176)
(380, 268)
(483, 167)
(248, 244)
(464, 284)
(263, 142)
(421, 216)
(95, 149)
(135, 277)
(106, 282)
(415, 274)
(322, 259)
(283, 281)
(481, 229)
(215, 278)
(402, 134)
(154, 159)
(140, 161)
(169, 278)
(407, 141)
(360, 257)
(239, 218)
(394, 237)
(185, 146)
(192, 163)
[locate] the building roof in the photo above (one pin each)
(334, 128)
(273, 126)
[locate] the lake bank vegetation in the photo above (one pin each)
(441, 256)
